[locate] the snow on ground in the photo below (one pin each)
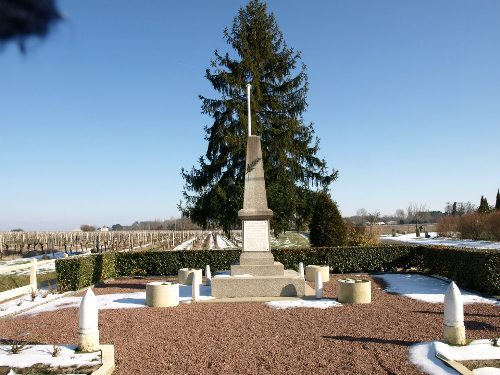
(424, 356)
(186, 245)
(24, 302)
(43, 354)
(223, 243)
(442, 241)
(427, 289)
(315, 304)
(211, 244)
(118, 300)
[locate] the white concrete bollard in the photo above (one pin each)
(196, 287)
(454, 329)
(318, 284)
(301, 269)
(88, 334)
(208, 275)
(33, 282)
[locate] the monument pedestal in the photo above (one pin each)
(258, 275)
(289, 284)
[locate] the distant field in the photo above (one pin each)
(408, 228)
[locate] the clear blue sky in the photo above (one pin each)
(97, 120)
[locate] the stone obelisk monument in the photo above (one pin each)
(257, 274)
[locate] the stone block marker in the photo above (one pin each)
(454, 329)
(162, 294)
(354, 291)
(185, 275)
(301, 269)
(311, 273)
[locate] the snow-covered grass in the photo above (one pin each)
(224, 243)
(426, 289)
(25, 302)
(186, 245)
(424, 356)
(290, 239)
(442, 241)
(315, 304)
(42, 354)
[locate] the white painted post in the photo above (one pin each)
(33, 282)
(454, 329)
(208, 276)
(318, 284)
(196, 286)
(301, 269)
(88, 334)
(249, 87)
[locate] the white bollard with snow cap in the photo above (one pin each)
(454, 329)
(301, 269)
(88, 334)
(208, 275)
(196, 287)
(318, 283)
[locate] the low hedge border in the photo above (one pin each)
(475, 269)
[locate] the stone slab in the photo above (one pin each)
(256, 258)
(276, 269)
(256, 235)
(108, 360)
(288, 285)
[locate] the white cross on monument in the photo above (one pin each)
(249, 87)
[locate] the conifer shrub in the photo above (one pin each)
(327, 228)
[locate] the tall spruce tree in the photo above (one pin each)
(497, 203)
(484, 207)
(213, 191)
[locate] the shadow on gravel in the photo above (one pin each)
(135, 301)
(479, 326)
(370, 339)
(465, 314)
(121, 285)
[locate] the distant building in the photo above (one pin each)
(104, 228)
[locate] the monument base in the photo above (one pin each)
(289, 284)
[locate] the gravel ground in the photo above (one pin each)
(251, 338)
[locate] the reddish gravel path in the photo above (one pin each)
(250, 338)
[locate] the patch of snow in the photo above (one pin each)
(118, 300)
(426, 289)
(224, 243)
(442, 241)
(24, 302)
(34, 354)
(478, 349)
(486, 371)
(315, 304)
(211, 244)
(423, 355)
(186, 245)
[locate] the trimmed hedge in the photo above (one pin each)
(475, 269)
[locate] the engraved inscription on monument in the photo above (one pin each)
(256, 235)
